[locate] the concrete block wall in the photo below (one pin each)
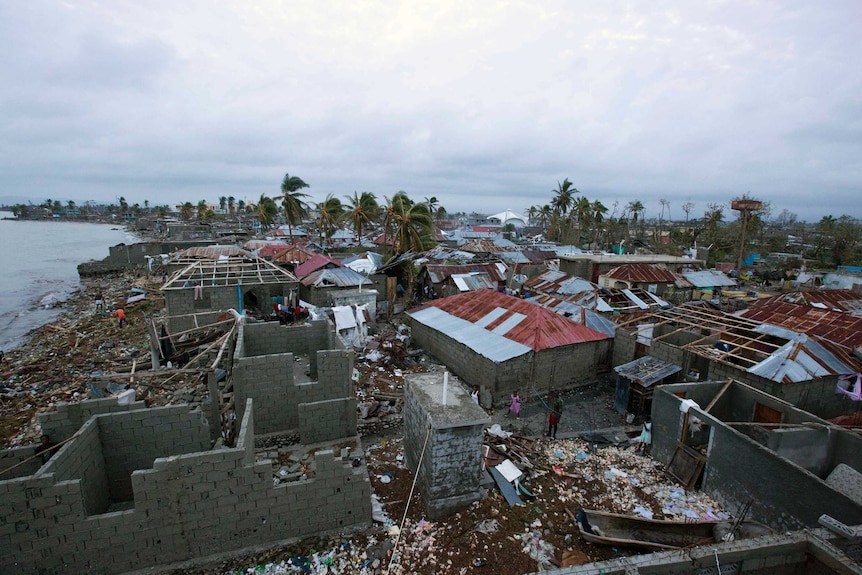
(134, 441)
(327, 420)
(186, 506)
(738, 469)
(62, 423)
(272, 338)
(82, 459)
(624, 347)
(564, 367)
(21, 458)
(451, 437)
(269, 380)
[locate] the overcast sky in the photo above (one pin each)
(485, 105)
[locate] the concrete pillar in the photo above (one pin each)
(443, 442)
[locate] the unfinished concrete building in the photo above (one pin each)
(744, 447)
(710, 345)
(131, 487)
(245, 284)
(503, 343)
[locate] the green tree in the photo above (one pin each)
(231, 204)
(240, 206)
(295, 208)
(222, 203)
(267, 211)
(186, 211)
(331, 211)
(409, 222)
(362, 210)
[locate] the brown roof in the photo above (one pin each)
(834, 299)
(642, 273)
(524, 322)
(838, 327)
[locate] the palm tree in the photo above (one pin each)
(331, 211)
(363, 209)
(583, 213)
(410, 223)
(292, 201)
(202, 209)
(162, 211)
(124, 206)
(186, 211)
(562, 202)
(267, 211)
(545, 213)
(231, 203)
(635, 208)
(240, 206)
(598, 211)
(222, 203)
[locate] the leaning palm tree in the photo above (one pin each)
(295, 208)
(410, 222)
(267, 211)
(363, 209)
(331, 211)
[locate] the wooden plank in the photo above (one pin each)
(718, 396)
(506, 488)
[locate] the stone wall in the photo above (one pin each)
(185, 506)
(181, 303)
(62, 423)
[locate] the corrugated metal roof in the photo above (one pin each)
(558, 282)
(642, 273)
(439, 272)
(340, 277)
(293, 254)
(834, 299)
(839, 327)
(516, 319)
(647, 370)
(708, 278)
(487, 344)
(576, 313)
(314, 263)
(473, 281)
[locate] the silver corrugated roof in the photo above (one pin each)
(708, 278)
(800, 359)
(487, 344)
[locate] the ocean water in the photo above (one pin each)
(38, 269)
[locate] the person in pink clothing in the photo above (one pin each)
(515, 407)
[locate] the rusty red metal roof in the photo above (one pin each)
(292, 253)
(838, 327)
(515, 319)
(834, 299)
(314, 263)
(642, 273)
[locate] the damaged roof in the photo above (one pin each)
(647, 370)
(228, 272)
(500, 327)
(314, 263)
(707, 278)
(642, 273)
(577, 313)
(770, 351)
(211, 253)
(439, 272)
(833, 299)
(338, 277)
(838, 327)
(473, 281)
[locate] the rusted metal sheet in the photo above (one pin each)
(516, 320)
(642, 273)
(838, 327)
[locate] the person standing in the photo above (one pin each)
(100, 303)
(645, 438)
(554, 415)
(121, 317)
(475, 394)
(515, 406)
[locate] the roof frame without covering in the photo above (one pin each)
(228, 272)
(738, 332)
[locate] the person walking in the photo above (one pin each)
(554, 414)
(645, 437)
(515, 406)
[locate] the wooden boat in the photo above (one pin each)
(605, 528)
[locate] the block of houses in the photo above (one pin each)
(503, 343)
